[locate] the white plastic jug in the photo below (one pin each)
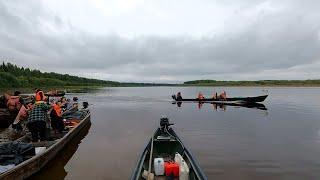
(183, 167)
(158, 164)
(178, 158)
(183, 171)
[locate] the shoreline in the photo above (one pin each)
(81, 89)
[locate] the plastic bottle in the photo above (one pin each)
(178, 158)
(158, 164)
(184, 171)
(183, 167)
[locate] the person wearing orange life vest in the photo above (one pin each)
(39, 95)
(56, 117)
(223, 96)
(200, 96)
(14, 102)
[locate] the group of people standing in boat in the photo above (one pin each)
(38, 114)
(221, 96)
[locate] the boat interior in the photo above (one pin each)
(165, 145)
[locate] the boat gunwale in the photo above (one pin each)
(54, 149)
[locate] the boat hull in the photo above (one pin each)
(34, 164)
(254, 99)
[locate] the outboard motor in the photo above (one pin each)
(164, 124)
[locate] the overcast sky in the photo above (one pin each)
(164, 40)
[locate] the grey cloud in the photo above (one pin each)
(273, 41)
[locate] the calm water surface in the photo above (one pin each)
(236, 143)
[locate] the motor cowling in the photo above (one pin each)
(164, 123)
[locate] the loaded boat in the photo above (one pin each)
(165, 156)
(253, 99)
(33, 156)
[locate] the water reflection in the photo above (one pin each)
(223, 106)
(55, 169)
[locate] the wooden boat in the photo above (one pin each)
(165, 143)
(53, 147)
(55, 93)
(253, 99)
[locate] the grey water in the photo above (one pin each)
(282, 142)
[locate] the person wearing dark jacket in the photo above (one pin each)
(179, 97)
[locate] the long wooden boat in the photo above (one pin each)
(55, 93)
(165, 143)
(35, 163)
(253, 99)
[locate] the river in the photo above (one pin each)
(282, 142)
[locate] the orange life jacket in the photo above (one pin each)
(40, 96)
(14, 103)
(57, 109)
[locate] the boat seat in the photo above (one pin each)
(164, 138)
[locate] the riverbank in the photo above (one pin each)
(259, 83)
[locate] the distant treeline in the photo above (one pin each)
(14, 76)
(315, 82)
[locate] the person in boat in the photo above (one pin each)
(215, 95)
(200, 96)
(14, 102)
(179, 97)
(75, 102)
(22, 116)
(68, 104)
(56, 117)
(37, 119)
(63, 102)
(223, 96)
(39, 95)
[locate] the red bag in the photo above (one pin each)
(171, 168)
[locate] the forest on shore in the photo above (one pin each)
(311, 82)
(13, 76)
